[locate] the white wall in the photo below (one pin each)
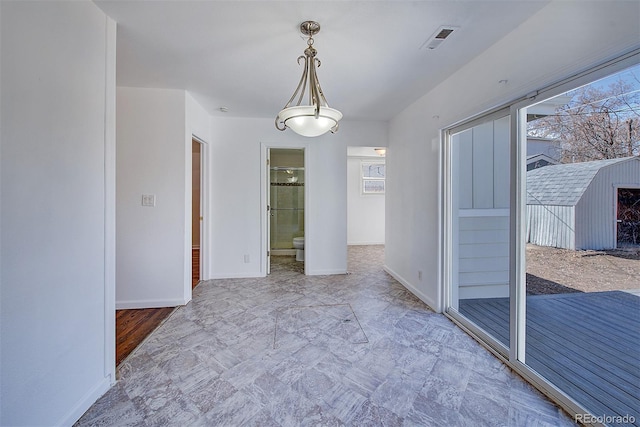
(151, 160)
(238, 190)
(153, 247)
(198, 121)
(529, 59)
(365, 212)
(153, 256)
(57, 171)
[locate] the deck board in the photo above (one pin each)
(587, 344)
(540, 340)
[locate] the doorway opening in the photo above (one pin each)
(628, 218)
(366, 173)
(286, 222)
(196, 211)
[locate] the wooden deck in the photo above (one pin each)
(587, 344)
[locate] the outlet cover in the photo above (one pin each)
(149, 200)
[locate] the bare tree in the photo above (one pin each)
(597, 123)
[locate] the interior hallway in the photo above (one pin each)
(289, 349)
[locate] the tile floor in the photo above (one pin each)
(294, 350)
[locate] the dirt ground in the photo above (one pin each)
(552, 270)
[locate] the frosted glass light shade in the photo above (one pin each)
(302, 119)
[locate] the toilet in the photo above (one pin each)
(298, 244)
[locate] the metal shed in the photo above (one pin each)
(574, 206)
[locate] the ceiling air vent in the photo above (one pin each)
(438, 37)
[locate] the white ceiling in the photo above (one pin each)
(242, 54)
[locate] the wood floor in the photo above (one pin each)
(133, 326)
(195, 267)
(585, 343)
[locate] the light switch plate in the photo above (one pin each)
(149, 200)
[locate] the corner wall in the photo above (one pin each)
(153, 243)
(151, 161)
(531, 57)
(57, 314)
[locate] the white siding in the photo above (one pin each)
(501, 143)
(483, 166)
(483, 251)
(551, 226)
(481, 156)
(462, 147)
(481, 200)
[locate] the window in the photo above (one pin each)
(373, 174)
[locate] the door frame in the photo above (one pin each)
(616, 188)
(205, 211)
(201, 144)
(265, 180)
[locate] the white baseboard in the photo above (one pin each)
(364, 243)
(421, 295)
(325, 272)
(285, 252)
(85, 402)
(127, 305)
(235, 276)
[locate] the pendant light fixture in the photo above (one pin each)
(315, 118)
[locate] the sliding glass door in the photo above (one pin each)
(479, 201)
(541, 201)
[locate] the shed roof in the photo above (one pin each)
(564, 185)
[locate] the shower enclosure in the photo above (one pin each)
(286, 200)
